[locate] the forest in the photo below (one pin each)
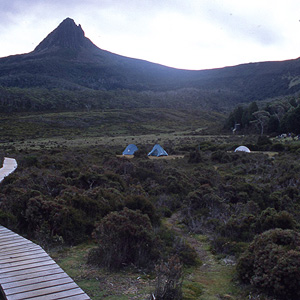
(272, 117)
(37, 99)
(75, 191)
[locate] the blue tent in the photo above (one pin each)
(157, 150)
(130, 149)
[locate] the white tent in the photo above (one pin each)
(242, 149)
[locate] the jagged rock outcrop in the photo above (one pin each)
(66, 35)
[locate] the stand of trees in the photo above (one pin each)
(14, 99)
(280, 116)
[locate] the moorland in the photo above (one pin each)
(204, 208)
(206, 223)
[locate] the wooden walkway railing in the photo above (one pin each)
(28, 272)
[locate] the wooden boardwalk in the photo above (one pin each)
(28, 272)
(9, 165)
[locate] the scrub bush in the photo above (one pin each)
(124, 238)
(195, 157)
(169, 280)
(272, 263)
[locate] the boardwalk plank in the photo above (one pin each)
(28, 272)
(22, 255)
(51, 270)
(22, 242)
(28, 268)
(18, 252)
(77, 297)
(18, 248)
(39, 279)
(40, 285)
(5, 229)
(65, 288)
(60, 295)
(9, 166)
(4, 235)
(13, 245)
(20, 259)
(13, 251)
(8, 239)
(25, 262)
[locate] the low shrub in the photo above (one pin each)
(141, 153)
(124, 238)
(140, 202)
(272, 263)
(188, 256)
(169, 280)
(277, 147)
(271, 219)
(195, 157)
(7, 219)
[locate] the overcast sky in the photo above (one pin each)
(187, 34)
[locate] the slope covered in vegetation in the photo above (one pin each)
(64, 192)
(67, 61)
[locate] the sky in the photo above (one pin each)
(185, 34)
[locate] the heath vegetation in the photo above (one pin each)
(246, 204)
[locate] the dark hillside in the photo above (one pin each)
(67, 54)
(66, 59)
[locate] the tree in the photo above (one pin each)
(248, 114)
(235, 118)
(292, 121)
(261, 119)
(273, 124)
(278, 109)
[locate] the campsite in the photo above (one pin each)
(219, 197)
(135, 180)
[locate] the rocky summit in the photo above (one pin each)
(66, 35)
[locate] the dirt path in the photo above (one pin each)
(214, 276)
(200, 247)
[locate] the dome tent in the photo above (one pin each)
(242, 149)
(130, 149)
(157, 150)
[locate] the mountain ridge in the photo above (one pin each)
(67, 59)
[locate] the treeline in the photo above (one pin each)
(280, 116)
(13, 99)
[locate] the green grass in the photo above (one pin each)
(109, 123)
(99, 283)
(212, 280)
(192, 290)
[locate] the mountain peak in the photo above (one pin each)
(66, 35)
